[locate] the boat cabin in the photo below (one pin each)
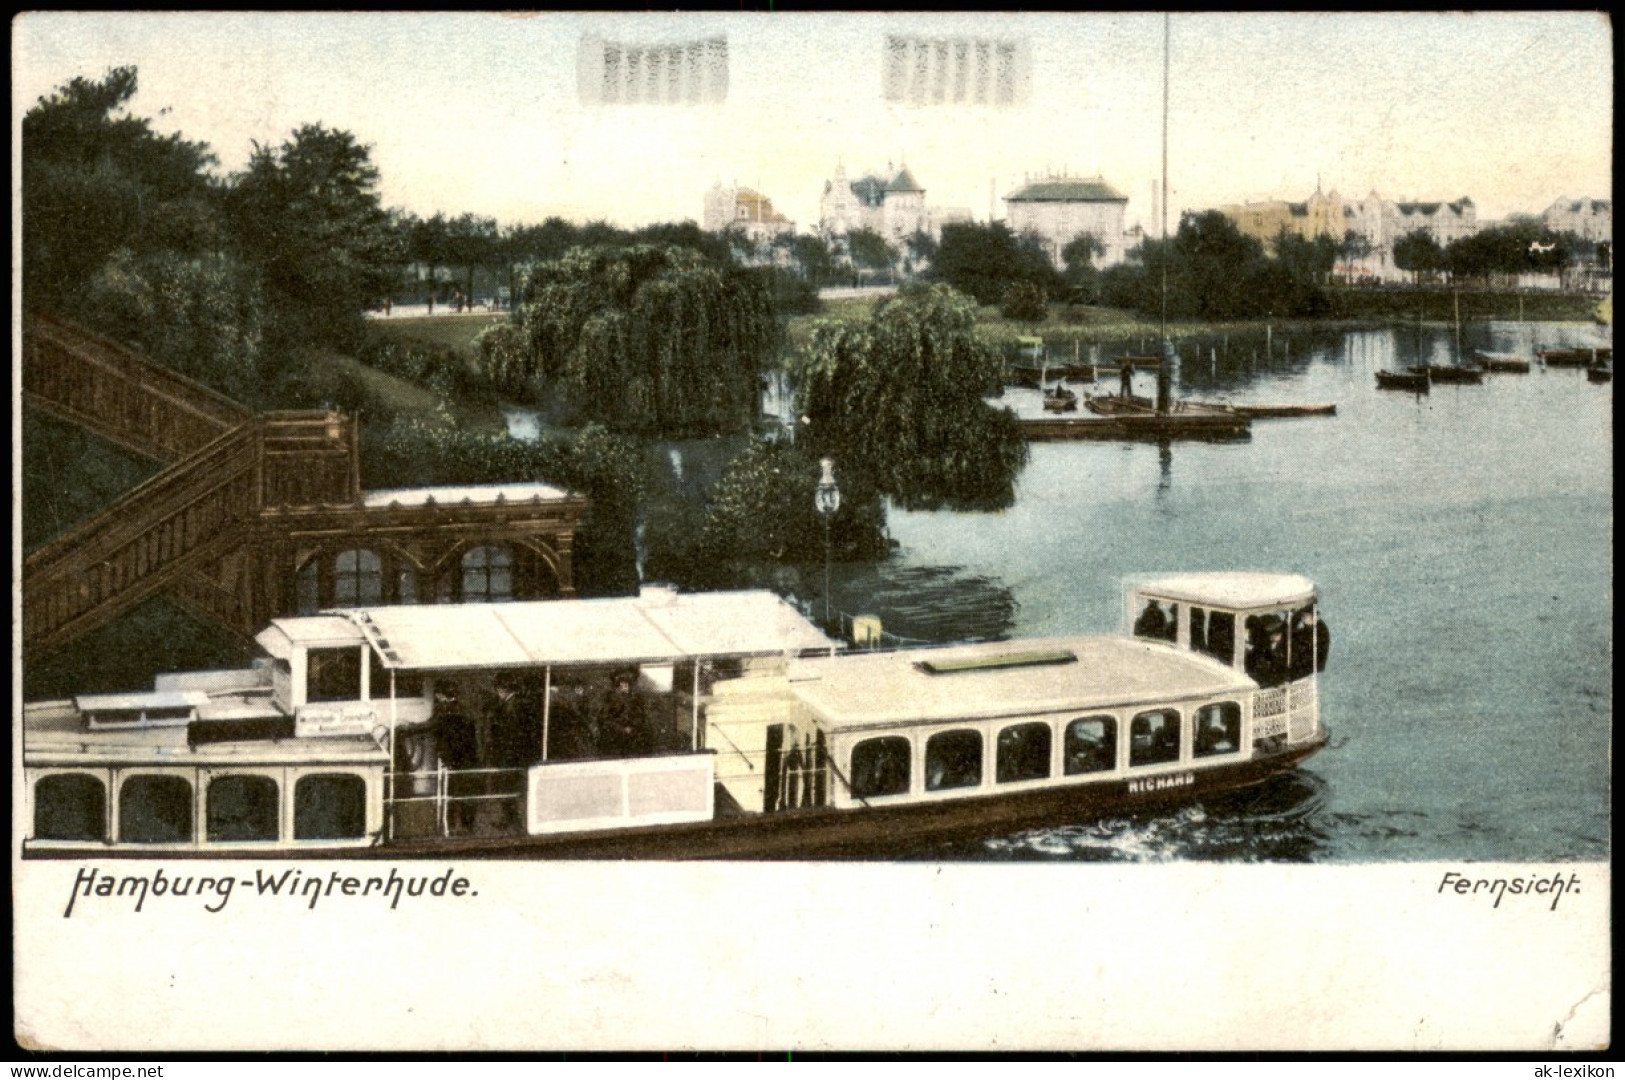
(1267, 626)
(367, 725)
(998, 718)
(1216, 670)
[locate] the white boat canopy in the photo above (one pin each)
(660, 626)
(1005, 679)
(1233, 589)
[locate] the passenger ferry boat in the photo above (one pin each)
(720, 725)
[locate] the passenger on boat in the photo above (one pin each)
(1152, 623)
(1211, 736)
(570, 738)
(459, 752)
(1266, 660)
(624, 723)
(507, 730)
(1310, 641)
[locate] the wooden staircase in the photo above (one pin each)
(221, 528)
(118, 394)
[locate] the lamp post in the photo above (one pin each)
(827, 500)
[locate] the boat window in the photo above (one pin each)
(1154, 738)
(70, 806)
(408, 684)
(333, 674)
(880, 767)
(1308, 644)
(1213, 633)
(329, 807)
(243, 808)
(1023, 752)
(1218, 729)
(487, 574)
(308, 587)
(406, 586)
(1266, 658)
(1155, 623)
(1091, 745)
(358, 578)
(953, 759)
(155, 810)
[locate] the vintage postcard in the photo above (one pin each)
(792, 532)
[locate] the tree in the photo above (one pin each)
(763, 511)
(922, 250)
(97, 180)
(606, 468)
(741, 245)
(1418, 253)
(1353, 247)
(900, 399)
(307, 214)
(652, 340)
(983, 261)
(812, 254)
(470, 242)
(1024, 302)
(202, 317)
(1301, 267)
(869, 250)
(1219, 267)
(1078, 256)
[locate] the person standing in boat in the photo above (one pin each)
(458, 753)
(626, 731)
(1310, 641)
(1152, 623)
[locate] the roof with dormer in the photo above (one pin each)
(1066, 189)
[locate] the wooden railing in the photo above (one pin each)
(118, 394)
(310, 459)
(100, 569)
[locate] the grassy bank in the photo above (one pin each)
(1439, 305)
(433, 332)
(1351, 310)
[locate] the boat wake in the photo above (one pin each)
(1277, 821)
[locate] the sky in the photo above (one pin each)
(480, 112)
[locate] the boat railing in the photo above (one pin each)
(549, 797)
(447, 802)
(1286, 714)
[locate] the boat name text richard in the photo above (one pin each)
(1160, 783)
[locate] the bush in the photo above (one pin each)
(200, 317)
(1024, 302)
(604, 467)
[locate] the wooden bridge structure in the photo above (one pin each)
(257, 516)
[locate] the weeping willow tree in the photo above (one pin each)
(901, 399)
(650, 340)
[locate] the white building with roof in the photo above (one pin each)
(1059, 209)
(1589, 219)
(892, 204)
(746, 210)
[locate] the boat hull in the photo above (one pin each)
(1393, 380)
(1443, 374)
(873, 832)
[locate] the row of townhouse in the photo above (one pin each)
(1058, 209)
(892, 204)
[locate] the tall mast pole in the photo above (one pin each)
(1165, 376)
(1164, 207)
